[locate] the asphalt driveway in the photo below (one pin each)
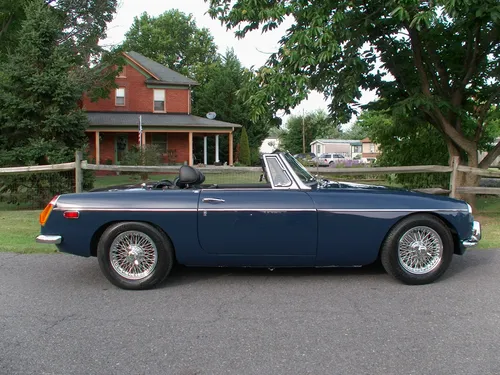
(59, 315)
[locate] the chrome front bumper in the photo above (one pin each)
(476, 235)
(51, 240)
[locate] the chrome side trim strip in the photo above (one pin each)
(126, 209)
(260, 209)
(332, 210)
(390, 210)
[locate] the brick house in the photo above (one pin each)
(152, 105)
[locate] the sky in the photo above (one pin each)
(253, 50)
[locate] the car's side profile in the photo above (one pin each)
(330, 159)
(290, 220)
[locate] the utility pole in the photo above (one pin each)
(303, 133)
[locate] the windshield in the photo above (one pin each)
(299, 169)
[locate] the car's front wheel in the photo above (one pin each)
(135, 255)
(417, 250)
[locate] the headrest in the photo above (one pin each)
(189, 175)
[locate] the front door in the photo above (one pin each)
(121, 147)
(257, 222)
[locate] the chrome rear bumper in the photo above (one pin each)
(51, 240)
(476, 235)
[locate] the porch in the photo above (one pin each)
(177, 147)
(179, 136)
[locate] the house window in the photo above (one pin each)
(318, 149)
(372, 148)
(357, 149)
(120, 96)
(159, 100)
(159, 140)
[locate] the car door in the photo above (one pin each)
(257, 221)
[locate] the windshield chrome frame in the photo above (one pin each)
(297, 183)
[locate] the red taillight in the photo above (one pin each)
(71, 214)
(44, 215)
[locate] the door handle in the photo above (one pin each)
(212, 200)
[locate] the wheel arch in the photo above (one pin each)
(99, 232)
(447, 223)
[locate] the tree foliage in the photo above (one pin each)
(302, 130)
(172, 39)
(42, 80)
(39, 117)
(435, 61)
(402, 142)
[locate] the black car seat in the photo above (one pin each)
(189, 177)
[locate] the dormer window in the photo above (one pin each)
(120, 96)
(159, 100)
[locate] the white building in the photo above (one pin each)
(350, 148)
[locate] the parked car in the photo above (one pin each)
(329, 159)
(307, 155)
(306, 159)
(291, 219)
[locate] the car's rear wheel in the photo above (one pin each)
(417, 250)
(135, 255)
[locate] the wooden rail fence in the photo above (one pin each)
(79, 165)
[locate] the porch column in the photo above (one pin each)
(217, 148)
(190, 148)
(205, 150)
(143, 139)
(230, 161)
(97, 149)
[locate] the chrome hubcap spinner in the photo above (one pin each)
(420, 250)
(133, 255)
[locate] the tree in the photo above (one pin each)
(220, 92)
(402, 142)
(41, 84)
(302, 130)
(82, 24)
(244, 148)
(356, 131)
(437, 61)
(172, 39)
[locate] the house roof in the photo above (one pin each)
(352, 142)
(160, 73)
(124, 119)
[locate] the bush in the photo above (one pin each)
(244, 156)
(147, 155)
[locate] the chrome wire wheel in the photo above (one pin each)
(420, 250)
(133, 255)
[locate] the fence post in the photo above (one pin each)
(78, 172)
(453, 177)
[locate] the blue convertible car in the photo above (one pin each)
(291, 220)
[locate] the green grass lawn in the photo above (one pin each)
(18, 229)
(488, 214)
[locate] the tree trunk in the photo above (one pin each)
(464, 179)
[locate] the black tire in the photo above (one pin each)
(390, 253)
(164, 255)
